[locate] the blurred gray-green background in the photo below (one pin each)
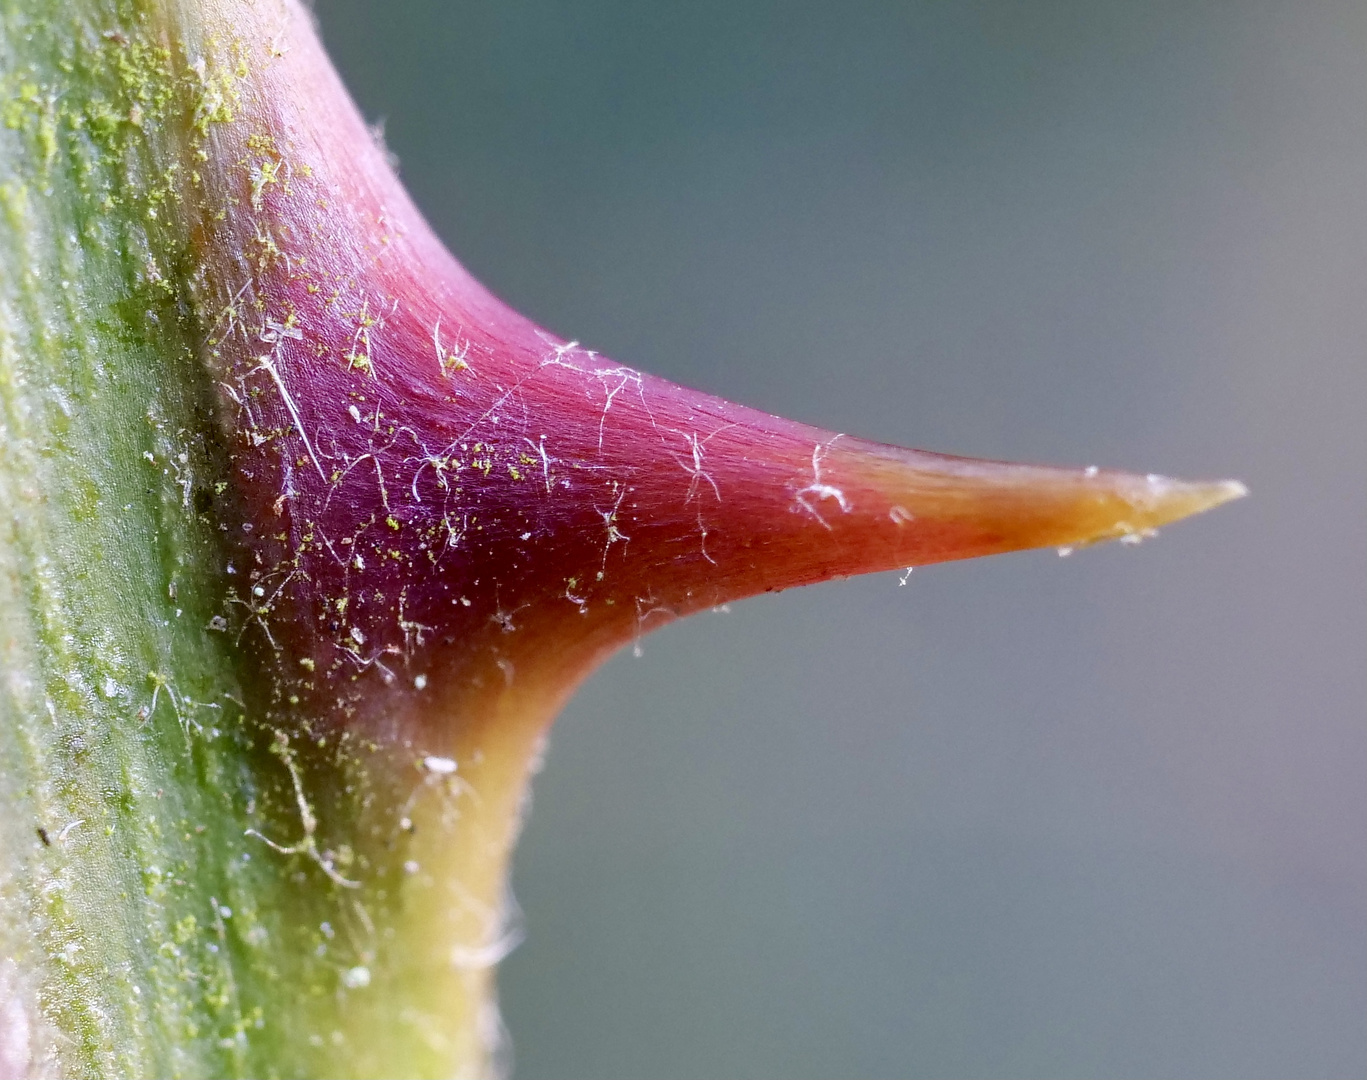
(1099, 817)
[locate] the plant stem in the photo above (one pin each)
(307, 537)
(176, 879)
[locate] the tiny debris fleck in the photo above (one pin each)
(1064, 552)
(357, 636)
(1090, 470)
(442, 766)
(420, 682)
(411, 867)
(356, 978)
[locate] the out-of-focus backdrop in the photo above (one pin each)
(1094, 817)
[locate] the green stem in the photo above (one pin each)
(176, 876)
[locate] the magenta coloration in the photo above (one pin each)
(439, 497)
